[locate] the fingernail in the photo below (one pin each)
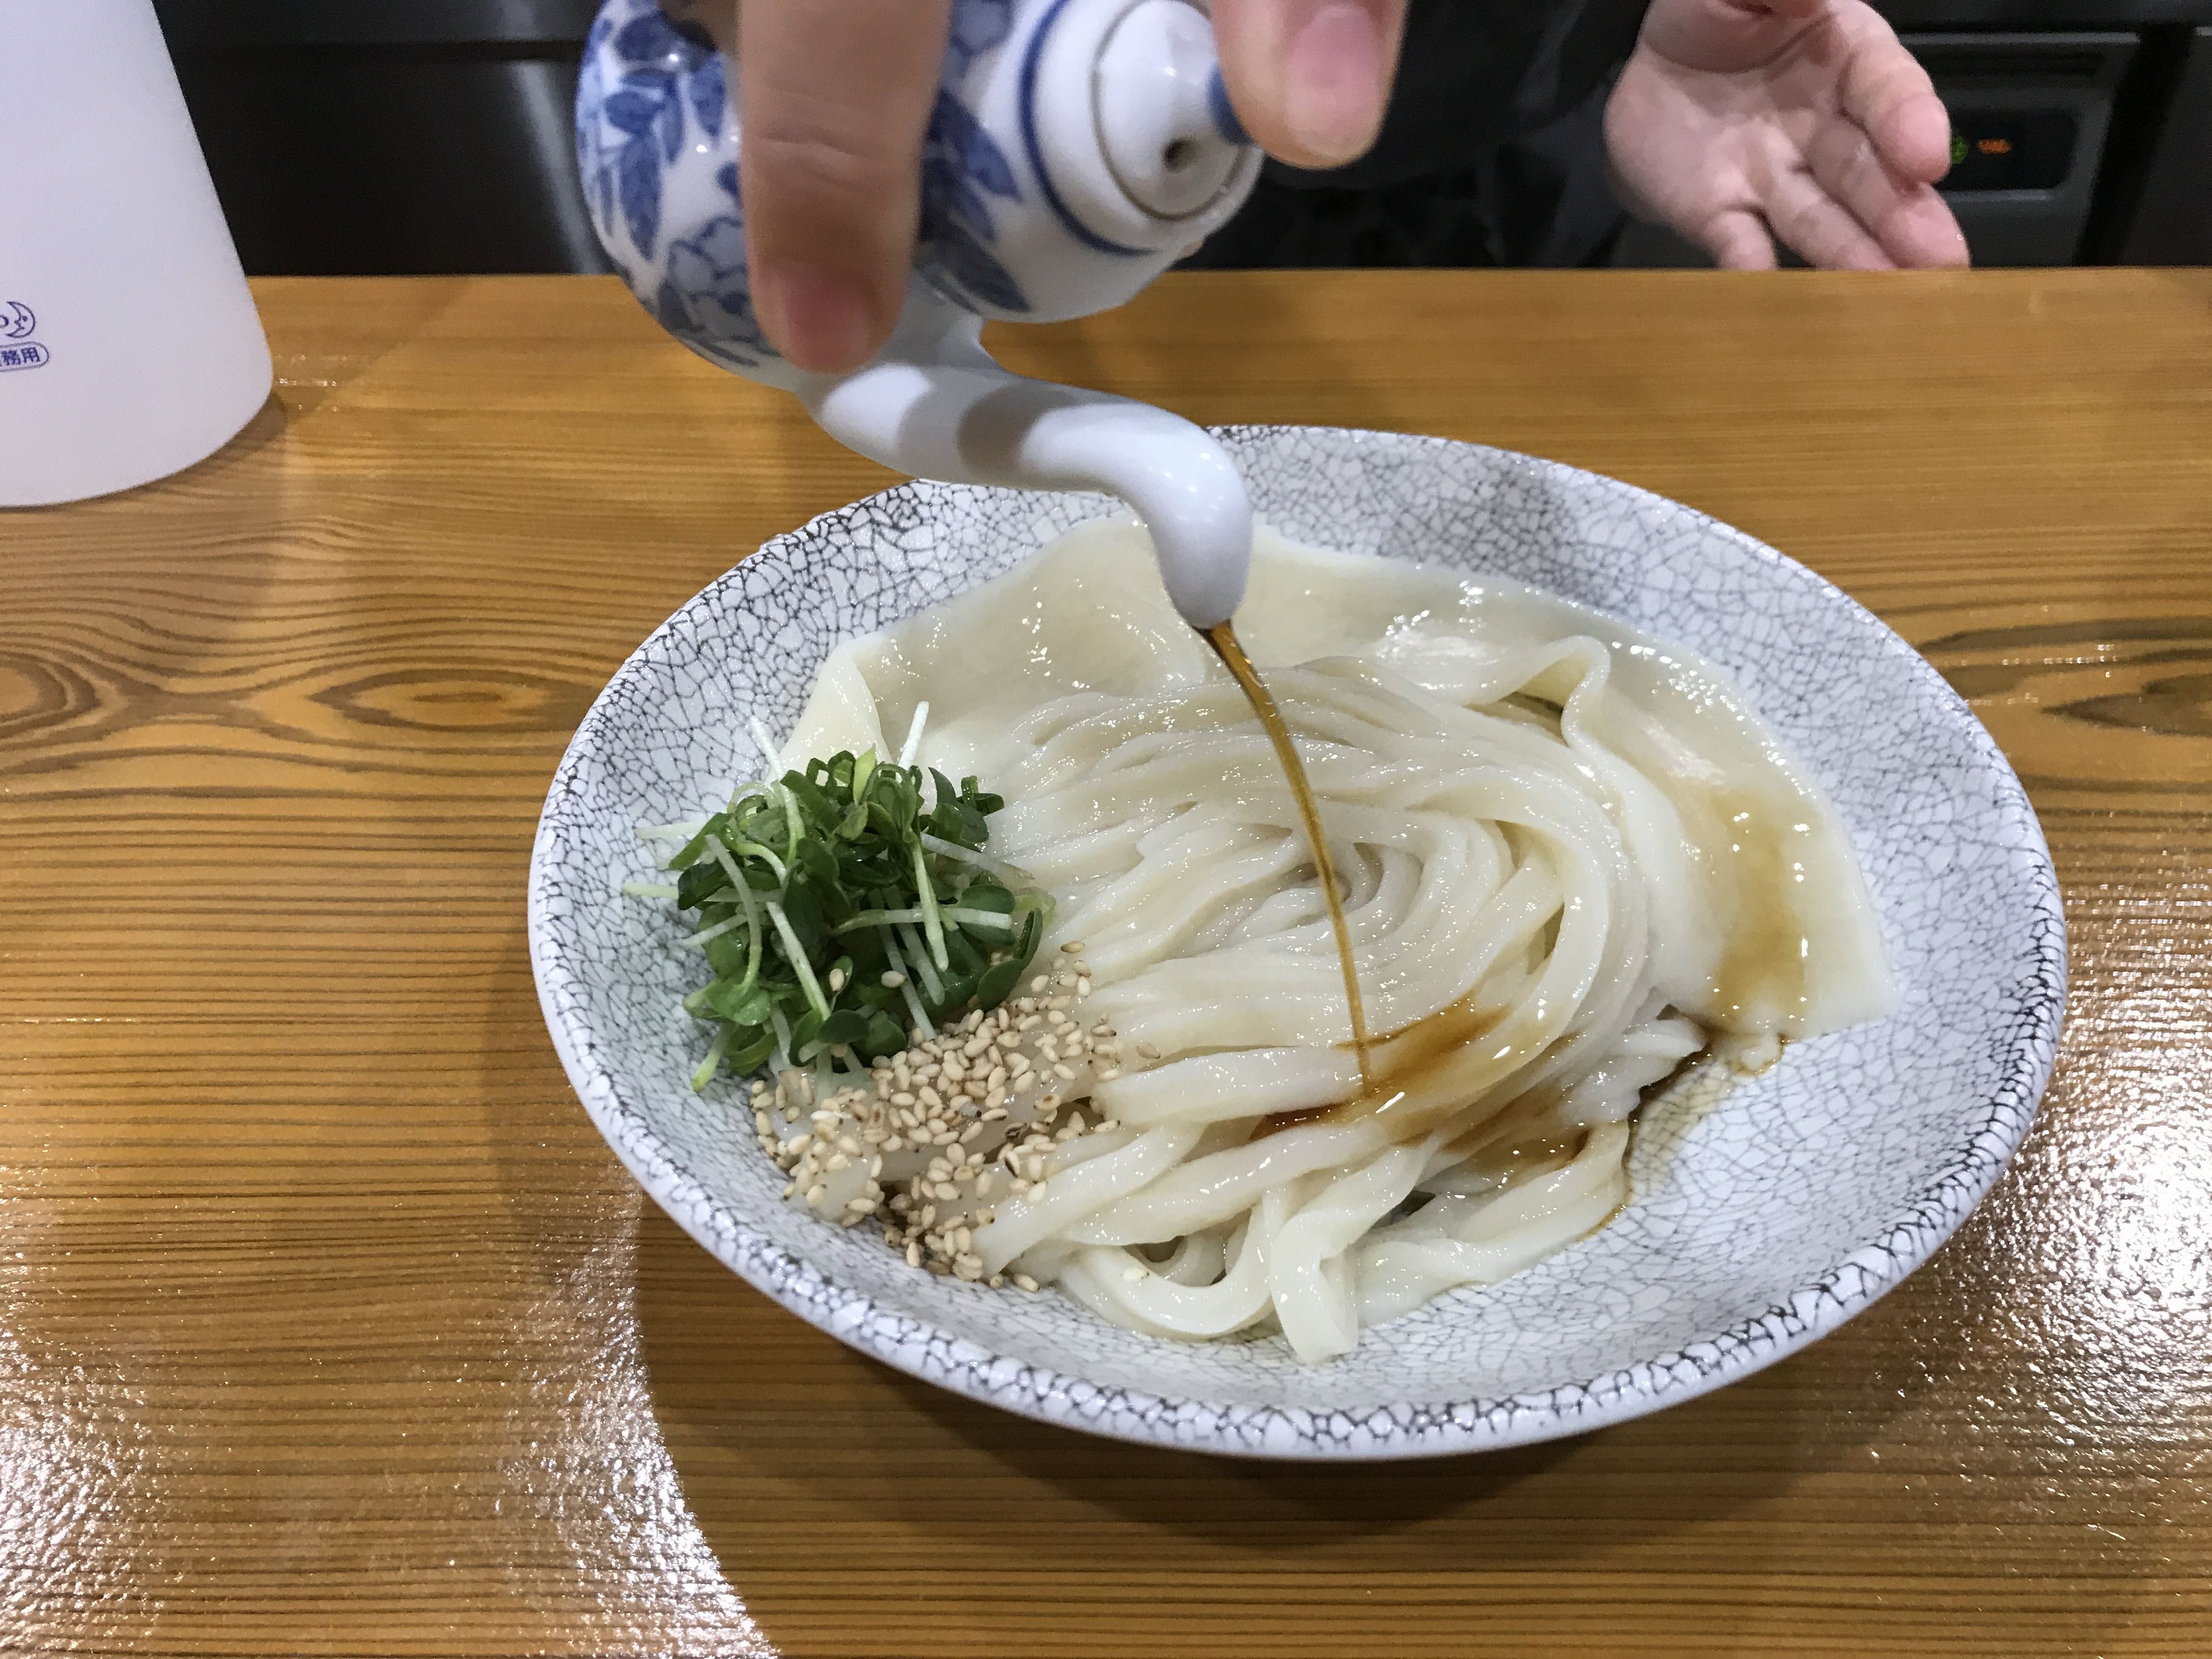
(1333, 87)
(822, 318)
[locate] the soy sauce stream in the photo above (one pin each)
(1223, 638)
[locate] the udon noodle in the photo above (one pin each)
(1572, 857)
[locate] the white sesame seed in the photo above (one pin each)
(1026, 1283)
(1133, 1275)
(1073, 947)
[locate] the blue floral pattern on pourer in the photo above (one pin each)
(961, 166)
(650, 89)
(663, 65)
(705, 301)
(977, 27)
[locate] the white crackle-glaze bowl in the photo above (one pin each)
(1756, 1226)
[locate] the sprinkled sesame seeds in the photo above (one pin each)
(973, 1113)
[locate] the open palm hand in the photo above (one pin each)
(1804, 119)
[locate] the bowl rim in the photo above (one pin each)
(1386, 1430)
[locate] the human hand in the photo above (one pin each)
(1805, 117)
(837, 93)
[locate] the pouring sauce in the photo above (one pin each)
(1419, 1048)
(1222, 638)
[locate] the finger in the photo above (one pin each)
(1310, 78)
(1911, 223)
(1886, 91)
(1737, 240)
(1820, 228)
(835, 95)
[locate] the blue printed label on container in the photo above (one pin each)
(17, 348)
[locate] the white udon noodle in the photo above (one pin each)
(1587, 834)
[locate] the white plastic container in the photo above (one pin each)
(129, 344)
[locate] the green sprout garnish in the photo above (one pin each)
(847, 911)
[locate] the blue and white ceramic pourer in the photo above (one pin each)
(1077, 149)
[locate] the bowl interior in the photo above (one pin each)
(1755, 1225)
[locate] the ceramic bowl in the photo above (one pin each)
(1757, 1225)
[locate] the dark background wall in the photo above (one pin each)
(409, 135)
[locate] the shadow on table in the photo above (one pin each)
(764, 1417)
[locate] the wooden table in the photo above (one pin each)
(328, 1325)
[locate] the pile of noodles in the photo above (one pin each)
(1575, 854)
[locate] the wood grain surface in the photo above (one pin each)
(328, 1325)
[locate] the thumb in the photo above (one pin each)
(1310, 78)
